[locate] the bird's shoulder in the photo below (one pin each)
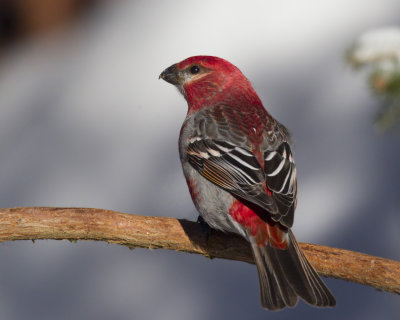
(248, 127)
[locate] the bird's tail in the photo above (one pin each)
(286, 274)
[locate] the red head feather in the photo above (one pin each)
(217, 80)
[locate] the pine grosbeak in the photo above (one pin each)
(241, 175)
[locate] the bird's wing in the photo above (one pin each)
(220, 151)
(232, 168)
(280, 177)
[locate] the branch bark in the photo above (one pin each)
(136, 231)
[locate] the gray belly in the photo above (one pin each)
(212, 202)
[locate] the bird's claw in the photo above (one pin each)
(205, 228)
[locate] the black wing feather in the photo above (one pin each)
(237, 170)
(232, 168)
(280, 171)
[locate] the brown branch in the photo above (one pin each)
(136, 231)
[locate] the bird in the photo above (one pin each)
(239, 167)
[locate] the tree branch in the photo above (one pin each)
(136, 231)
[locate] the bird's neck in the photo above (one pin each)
(211, 93)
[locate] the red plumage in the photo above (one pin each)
(265, 233)
(241, 175)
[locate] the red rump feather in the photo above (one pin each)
(264, 232)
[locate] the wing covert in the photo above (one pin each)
(232, 168)
(280, 171)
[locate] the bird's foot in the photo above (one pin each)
(205, 228)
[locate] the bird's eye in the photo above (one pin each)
(194, 70)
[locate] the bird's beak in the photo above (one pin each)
(171, 75)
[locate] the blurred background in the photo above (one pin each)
(85, 122)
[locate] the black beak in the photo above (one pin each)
(171, 75)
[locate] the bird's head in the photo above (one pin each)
(204, 80)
